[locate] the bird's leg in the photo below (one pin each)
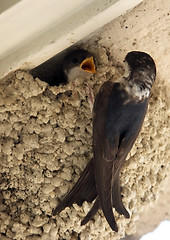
(90, 95)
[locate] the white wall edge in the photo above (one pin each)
(33, 31)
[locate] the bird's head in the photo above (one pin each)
(78, 64)
(141, 66)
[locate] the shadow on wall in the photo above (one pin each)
(5, 4)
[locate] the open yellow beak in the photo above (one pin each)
(88, 65)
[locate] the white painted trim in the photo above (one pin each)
(32, 31)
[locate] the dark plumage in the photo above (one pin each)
(118, 114)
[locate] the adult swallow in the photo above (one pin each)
(118, 113)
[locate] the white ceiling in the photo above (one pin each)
(33, 31)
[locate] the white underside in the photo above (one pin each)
(132, 88)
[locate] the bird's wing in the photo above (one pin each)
(126, 141)
(92, 212)
(117, 199)
(83, 190)
(110, 152)
(104, 153)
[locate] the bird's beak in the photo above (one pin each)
(88, 65)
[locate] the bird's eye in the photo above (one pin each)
(75, 60)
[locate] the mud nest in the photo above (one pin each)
(46, 142)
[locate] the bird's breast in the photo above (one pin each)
(122, 111)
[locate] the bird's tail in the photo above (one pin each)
(117, 199)
(92, 212)
(83, 190)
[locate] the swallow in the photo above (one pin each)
(61, 70)
(118, 113)
(79, 63)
